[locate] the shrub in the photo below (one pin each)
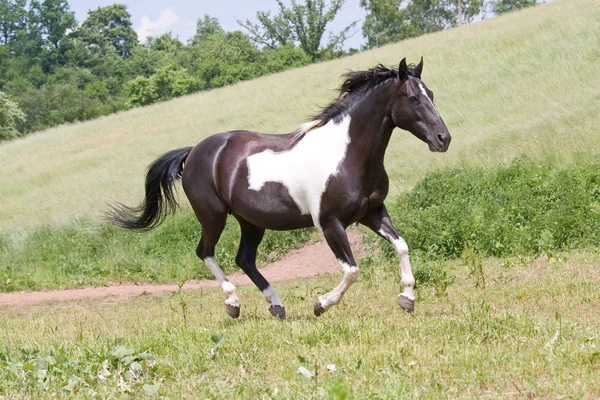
(526, 207)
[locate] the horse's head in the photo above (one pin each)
(413, 109)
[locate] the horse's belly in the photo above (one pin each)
(272, 207)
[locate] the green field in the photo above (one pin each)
(533, 331)
(502, 312)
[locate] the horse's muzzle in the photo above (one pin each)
(440, 142)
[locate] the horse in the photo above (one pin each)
(329, 174)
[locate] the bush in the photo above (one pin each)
(11, 117)
(524, 208)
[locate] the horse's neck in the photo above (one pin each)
(370, 131)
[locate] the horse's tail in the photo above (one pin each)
(160, 200)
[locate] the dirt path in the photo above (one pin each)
(313, 259)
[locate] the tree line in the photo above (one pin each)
(55, 70)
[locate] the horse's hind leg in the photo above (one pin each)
(335, 234)
(246, 259)
(212, 227)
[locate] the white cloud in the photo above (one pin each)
(154, 28)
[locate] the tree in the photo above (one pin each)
(225, 57)
(503, 6)
(428, 16)
(56, 19)
(110, 26)
(394, 20)
(11, 117)
(302, 23)
(273, 33)
(12, 18)
(206, 27)
(386, 22)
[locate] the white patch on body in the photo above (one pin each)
(427, 97)
(228, 288)
(408, 280)
(350, 276)
(272, 297)
(304, 169)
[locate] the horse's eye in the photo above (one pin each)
(413, 100)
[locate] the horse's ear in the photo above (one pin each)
(403, 70)
(419, 68)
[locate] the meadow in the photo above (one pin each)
(532, 330)
(504, 232)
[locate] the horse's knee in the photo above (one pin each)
(351, 273)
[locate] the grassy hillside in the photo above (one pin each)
(527, 82)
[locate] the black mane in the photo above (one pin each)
(355, 86)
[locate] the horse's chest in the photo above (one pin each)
(305, 169)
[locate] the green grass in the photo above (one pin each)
(85, 253)
(527, 207)
(533, 331)
(514, 326)
(524, 83)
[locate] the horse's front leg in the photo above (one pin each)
(335, 234)
(380, 222)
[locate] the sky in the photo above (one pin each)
(152, 18)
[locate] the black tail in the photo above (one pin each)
(160, 199)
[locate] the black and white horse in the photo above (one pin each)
(329, 173)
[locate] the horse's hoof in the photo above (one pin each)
(406, 304)
(318, 309)
(277, 311)
(233, 311)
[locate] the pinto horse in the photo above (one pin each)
(329, 173)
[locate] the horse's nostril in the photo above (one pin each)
(441, 137)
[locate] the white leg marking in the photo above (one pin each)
(304, 169)
(228, 288)
(424, 92)
(272, 297)
(408, 280)
(350, 276)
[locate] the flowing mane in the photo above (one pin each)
(355, 86)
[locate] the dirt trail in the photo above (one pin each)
(313, 259)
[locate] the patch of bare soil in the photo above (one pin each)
(313, 259)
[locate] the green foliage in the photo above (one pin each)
(12, 18)
(86, 253)
(524, 208)
(165, 84)
(385, 22)
(55, 18)
(11, 117)
(205, 28)
(504, 6)
(110, 26)
(285, 57)
(390, 21)
(36, 372)
(302, 23)
(58, 72)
